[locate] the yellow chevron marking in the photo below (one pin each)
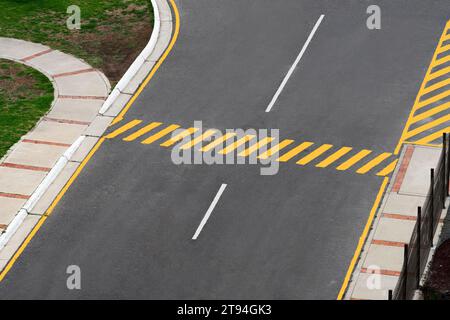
(160, 134)
(388, 169)
(437, 74)
(373, 163)
(255, 147)
(123, 128)
(334, 157)
(218, 141)
(435, 98)
(292, 153)
(427, 126)
(441, 61)
(208, 133)
(236, 144)
(275, 149)
(350, 162)
(444, 48)
(431, 112)
(142, 131)
(432, 137)
(179, 137)
(436, 86)
(314, 154)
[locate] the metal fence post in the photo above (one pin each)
(431, 213)
(444, 167)
(447, 176)
(418, 239)
(405, 270)
(389, 294)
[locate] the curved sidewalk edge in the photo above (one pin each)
(36, 169)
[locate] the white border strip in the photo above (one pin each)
(137, 63)
(297, 60)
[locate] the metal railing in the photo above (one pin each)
(416, 252)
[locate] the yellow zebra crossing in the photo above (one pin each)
(301, 153)
(430, 117)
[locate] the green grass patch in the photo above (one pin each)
(25, 96)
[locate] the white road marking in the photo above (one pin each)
(208, 213)
(297, 60)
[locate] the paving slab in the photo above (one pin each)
(165, 35)
(134, 84)
(385, 257)
(98, 126)
(84, 84)
(18, 49)
(365, 282)
(17, 239)
(51, 193)
(417, 177)
(76, 109)
(9, 208)
(56, 132)
(403, 204)
(38, 155)
(20, 181)
(56, 62)
(85, 147)
(394, 230)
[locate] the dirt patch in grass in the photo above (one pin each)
(25, 96)
(437, 285)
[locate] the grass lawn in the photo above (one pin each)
(25, 96)
(112, 33)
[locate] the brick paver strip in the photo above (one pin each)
(50, 143)
(402, 170)
(85, 123)
(14, 195)
(36, 55)
(398, 216)
(72, 73)
(388, 243)
(381, 271)
(24, 167)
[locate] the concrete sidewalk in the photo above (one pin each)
(394, 224)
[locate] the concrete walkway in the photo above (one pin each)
(79, 93)
(394, 224)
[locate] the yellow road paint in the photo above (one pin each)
(236, 144)
(437, 74)
(444, 48)
(123, 129)
(94, 149)
(218, 141)
(432, 136)
(142, 131)
(427, 126)
(255, 147)
(441, 61)
(353, 160)
(334, 157)
(373, 163)
(436, 86)
(197, 140)
(160, 134)
(275, 149)
(433, 99)
(314, 154)
(388, 169)
(178, 137)
(430, 112)
(292, 153)
(362, 239)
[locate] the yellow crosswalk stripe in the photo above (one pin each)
(179, 137)
(160, 134)
(123, 129)
(353, 160)
(427, 126)
(275, 149)
(292, 153)
(443, 49)
(255, 147)
(435, 98)
(433, 136)
(208, 133)
(436, 86)
(236, 144)
(314, 154)
(373, 163)
(437, 74)
(142, 131)
(218, 141)
(334, 157)
(431, 112)
(441, 61)
(388, 169)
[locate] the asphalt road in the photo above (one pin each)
(129, 218)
